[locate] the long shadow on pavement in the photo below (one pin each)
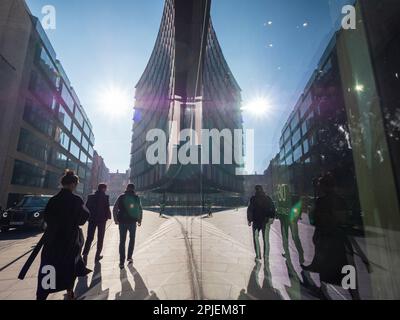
(140, 292)
(257, 292)
(94, 290)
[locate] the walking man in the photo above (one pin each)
(260, 215)
(99, 207)
(128, 214)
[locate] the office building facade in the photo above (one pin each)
(43, 127)
(187, 84)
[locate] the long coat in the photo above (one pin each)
(62, 242)
(330, 238)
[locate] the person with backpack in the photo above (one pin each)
(128, 214)
(260, 215)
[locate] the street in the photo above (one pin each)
(178, 258)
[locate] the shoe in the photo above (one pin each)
(98, 258)
(309, 268)
(130, 261)
(121, 266)
(70, 296)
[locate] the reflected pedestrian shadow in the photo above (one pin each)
(93, 291)
(257, 292)
(302, 287)
(139, 293)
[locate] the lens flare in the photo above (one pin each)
(258, 106)
(114, 101)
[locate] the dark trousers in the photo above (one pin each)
(264, 229)
(101, 230)
(123, 231)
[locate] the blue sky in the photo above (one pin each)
(104, 46)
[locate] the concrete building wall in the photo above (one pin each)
(15, 34)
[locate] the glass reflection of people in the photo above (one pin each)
(256, 291)
(261, 215)
(289, 217)
(62, 242)
(330, 239)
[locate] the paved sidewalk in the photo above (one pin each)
(181, 258)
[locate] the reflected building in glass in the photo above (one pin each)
(187, 84)
(43, 127)
(346, 123)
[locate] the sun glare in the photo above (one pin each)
(114, 101)
(258, 106)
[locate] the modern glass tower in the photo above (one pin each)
(187, 84)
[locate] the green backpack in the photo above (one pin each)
(132, 205)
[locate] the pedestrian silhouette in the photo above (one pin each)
(260, 216)
(162, 209)
(99, 207)
(330, 239)
(62, 241)
(289, 213)
(128, 214)
(209, 209)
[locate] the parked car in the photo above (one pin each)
(27, 213)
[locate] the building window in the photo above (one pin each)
(74, 149)
(297, 154)
(62, 138)
(77, 133)
(91, 138)
(79, 117)
(305, 105)
(59, 160)
(91, 151)
(83, 157)
(72, 165)
(25, 174)
(295, 121)
(41, 89)
(86, 129)
(85, 144)
(304, 128)
(67, 97)
(39, 118)
(82, 172)
(52, 180)
(33, 146)
(65, 118)
(296, 137)
(48, 66)
(286, 135)
(306, 146)
(289, 159)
